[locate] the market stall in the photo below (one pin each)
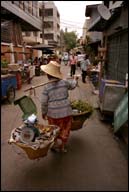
(94, 76)
(8, 87)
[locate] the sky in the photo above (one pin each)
(72, 14)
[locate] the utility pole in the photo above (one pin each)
(43, 13)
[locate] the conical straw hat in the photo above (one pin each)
(53, 69)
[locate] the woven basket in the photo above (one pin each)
(34, 153)
(78, 120)
(31, 152)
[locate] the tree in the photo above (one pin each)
(70, 39)
(87, 42)
(89, 49)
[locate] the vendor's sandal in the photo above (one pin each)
(57, 150)
(63, 150)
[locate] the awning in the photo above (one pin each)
(101, 24)
(98, 25)
(97, 42)
(42, 47)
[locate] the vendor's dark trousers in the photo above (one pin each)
(84, 74)
(73, 69)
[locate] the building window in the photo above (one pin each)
(21, 5)
(16, 3)
(48, 24)
(30, 7)
(49, 36)
(58, 14)
(26, 7)
(58, 26)
(40, 12)
(35, 8)
(35, 33)
(41, 35)
(27, 33)
(48, 12)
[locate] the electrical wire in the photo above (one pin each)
(70, 21)
(74, 27)
(69, 24)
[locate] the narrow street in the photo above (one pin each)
(95, 161)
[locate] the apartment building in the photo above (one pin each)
(18, 16)
(23, 13)
(51, 23)
(50, 33)
(26, 23)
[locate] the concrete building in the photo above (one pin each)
(91, 14)
(50, 31)
(51, 23)
(115, 38)
(50, 17)
(115, 54)
(91, 39)
(30, 23)
(16, 17)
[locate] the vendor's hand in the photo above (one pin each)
(44, 117)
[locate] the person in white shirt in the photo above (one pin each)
(85, 65)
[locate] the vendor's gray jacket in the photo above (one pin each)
(54, 101)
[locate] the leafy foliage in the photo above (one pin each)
(4, 64)
(81, 106)
(70, 39)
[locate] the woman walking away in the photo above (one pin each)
(85, 65)
(72, 63)
(55, 105)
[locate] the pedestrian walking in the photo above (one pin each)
(85, 66)
(55, 105)
(73, 63)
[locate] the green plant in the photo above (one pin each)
(81, 106)
(4, 64)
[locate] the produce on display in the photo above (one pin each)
(81, 106)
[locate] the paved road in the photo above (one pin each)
(95, 160)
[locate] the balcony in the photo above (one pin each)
(28, 22)
(32, 40)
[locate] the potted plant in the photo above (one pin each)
(4, 66)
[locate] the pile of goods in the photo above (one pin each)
(34, 138)
(81, 111)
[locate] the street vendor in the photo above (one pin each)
(55, 105)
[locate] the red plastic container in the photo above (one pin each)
(19, 80)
